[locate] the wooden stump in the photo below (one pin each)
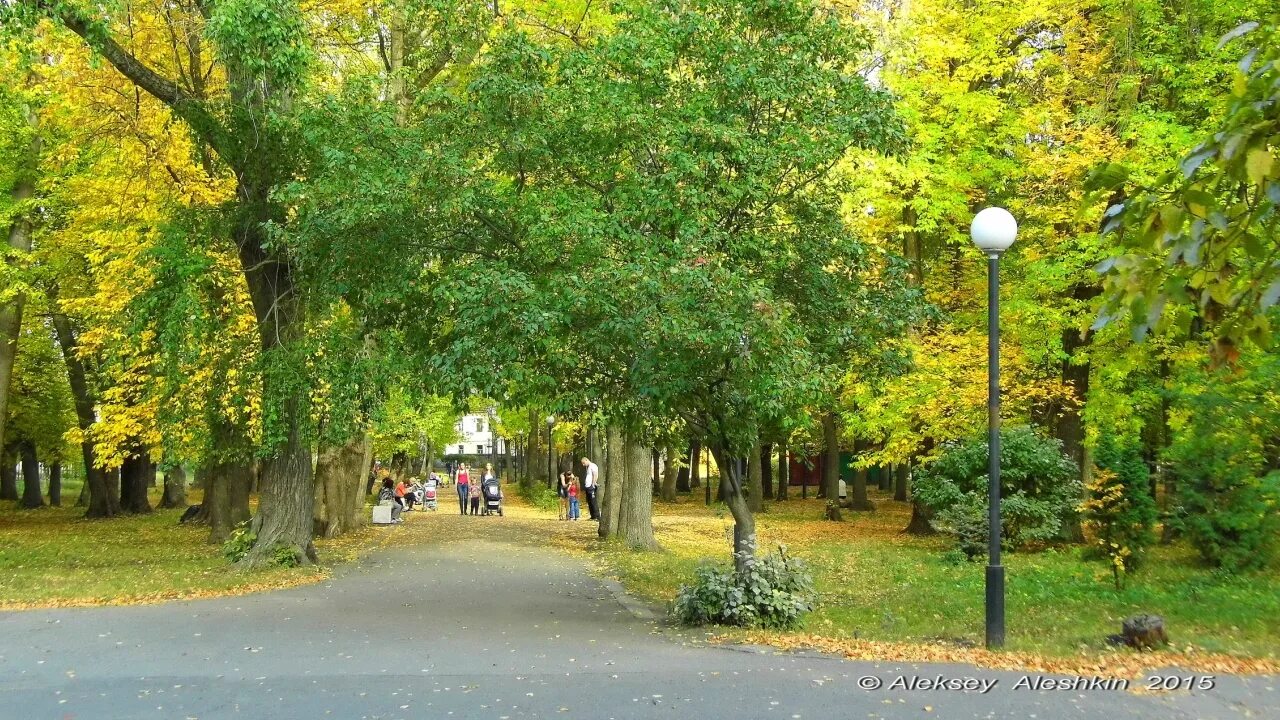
(1145, 632)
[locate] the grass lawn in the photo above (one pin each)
(54, 557)
(877, 584)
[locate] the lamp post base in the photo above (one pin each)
(995, 606)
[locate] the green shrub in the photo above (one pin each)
(1039, 488)
(771, 592)
(1227, 507)
(1119, 512)
(286, 556)
(238, 545)
(540, 496)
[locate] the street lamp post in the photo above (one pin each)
(493, 439)
(551, 420)
(993, 231)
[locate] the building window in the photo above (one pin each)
(479, 425)
(479, 449)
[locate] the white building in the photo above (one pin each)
(477, 437)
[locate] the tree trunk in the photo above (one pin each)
(32, 497)
(755, 480)
(217, 503)
(902, 481)
(682, 475)
(133, 483)
(921, 522)
(744, 523)
(858, 500)
(695, 465)
(103, 502)
(83, 499)
(831, 465)
(175, 488)
(766, 470)
(285, 501)
(20, 227)
(784, 473)
(55, 484)
(615, 477)
(8, 474)
(339, 475)
(239, 478)
(366, 462)
(635, 526)
(669, 474)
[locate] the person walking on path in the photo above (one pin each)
(463, 489)
(573, 496)
(590, 483)
(562, 490)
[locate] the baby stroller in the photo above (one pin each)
(492, 495)
(429, 495)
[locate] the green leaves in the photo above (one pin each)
(1213, 227)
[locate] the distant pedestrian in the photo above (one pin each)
(590, 484)
(573, 496)
(463, 488)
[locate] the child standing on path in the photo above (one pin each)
(475, 498)
(573, 497)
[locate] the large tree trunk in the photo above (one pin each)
(614, 478)
(902, 481)
(669, 474)
(217, 503)
(858, 498)
(287, 496)
(744, 523)
(8, 473)
(19, 241)
(175, 488)
(831, 465)
(755, 480)
(784, 472)
(239, 480)
(133, 483)
(32, 497)
(55, 484)
(339, 474)
(103, 501)
(635, 521)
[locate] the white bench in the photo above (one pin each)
(381, 514)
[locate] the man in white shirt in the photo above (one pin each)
(590, 482)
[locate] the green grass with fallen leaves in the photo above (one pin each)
(878, 585)
(54, 557)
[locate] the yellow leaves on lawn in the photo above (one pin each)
(1119, 664)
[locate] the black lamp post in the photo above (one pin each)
(993, 231)
(493, 439)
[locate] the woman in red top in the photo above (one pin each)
(463, 490)
(403, 496)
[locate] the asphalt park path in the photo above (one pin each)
(493, 625)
